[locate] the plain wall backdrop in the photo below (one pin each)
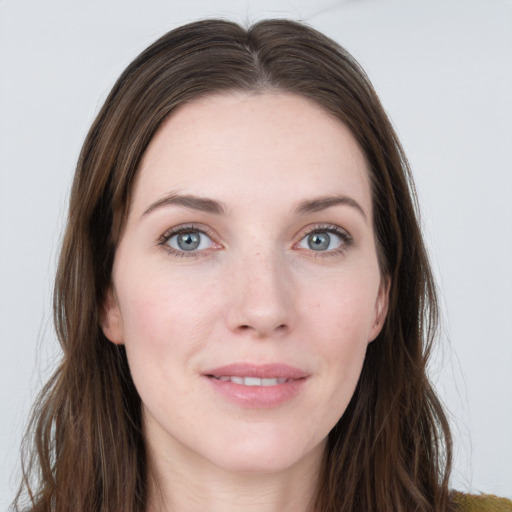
(443, 72)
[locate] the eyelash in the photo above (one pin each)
(179, 230)
(345, 237)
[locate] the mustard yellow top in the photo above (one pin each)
(481, 503)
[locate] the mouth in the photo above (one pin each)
(249, 374)
(258, 386)
(251, 381)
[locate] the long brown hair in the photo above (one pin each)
(391, 448)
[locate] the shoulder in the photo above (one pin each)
(480, 503)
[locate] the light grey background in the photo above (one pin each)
(443, 71)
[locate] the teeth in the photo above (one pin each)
(253, 381)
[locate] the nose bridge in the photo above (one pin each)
(260, 289)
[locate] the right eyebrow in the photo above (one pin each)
(317, 204)
(202, 204)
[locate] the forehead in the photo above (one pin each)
(250, 147)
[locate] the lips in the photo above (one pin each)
(257, 386)
(252, 381)
(249, 371)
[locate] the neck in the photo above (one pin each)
(184, 484)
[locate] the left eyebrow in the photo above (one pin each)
(202, 204)
(318, 204)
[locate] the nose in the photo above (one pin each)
(261, 296)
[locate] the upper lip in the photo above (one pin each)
(262, 371)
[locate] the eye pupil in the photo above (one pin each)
(188, 241)
(319, 241)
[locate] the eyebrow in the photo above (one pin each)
(202, 204)
(208, 205)
(318, 204)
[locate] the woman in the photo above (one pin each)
(243, 296)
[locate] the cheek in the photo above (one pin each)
(341, 317)
(166, 322)
(164, 312)
(166, 327)
(344, 304)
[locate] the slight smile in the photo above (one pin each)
(257, 386)
(251, 381)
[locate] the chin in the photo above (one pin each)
(262, 456)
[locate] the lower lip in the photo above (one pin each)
(258, 397)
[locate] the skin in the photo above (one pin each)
(254, 291)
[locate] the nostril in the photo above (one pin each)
(246, 327)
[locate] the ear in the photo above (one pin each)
(381, 308)
(111, 321)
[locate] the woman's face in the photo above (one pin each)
(246, 286)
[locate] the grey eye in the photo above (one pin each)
(319, 241)
(323, 240)
(188, 241)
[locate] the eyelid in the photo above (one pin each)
(329, 228)
(344, 235)
(186, 228)
(334, 228)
